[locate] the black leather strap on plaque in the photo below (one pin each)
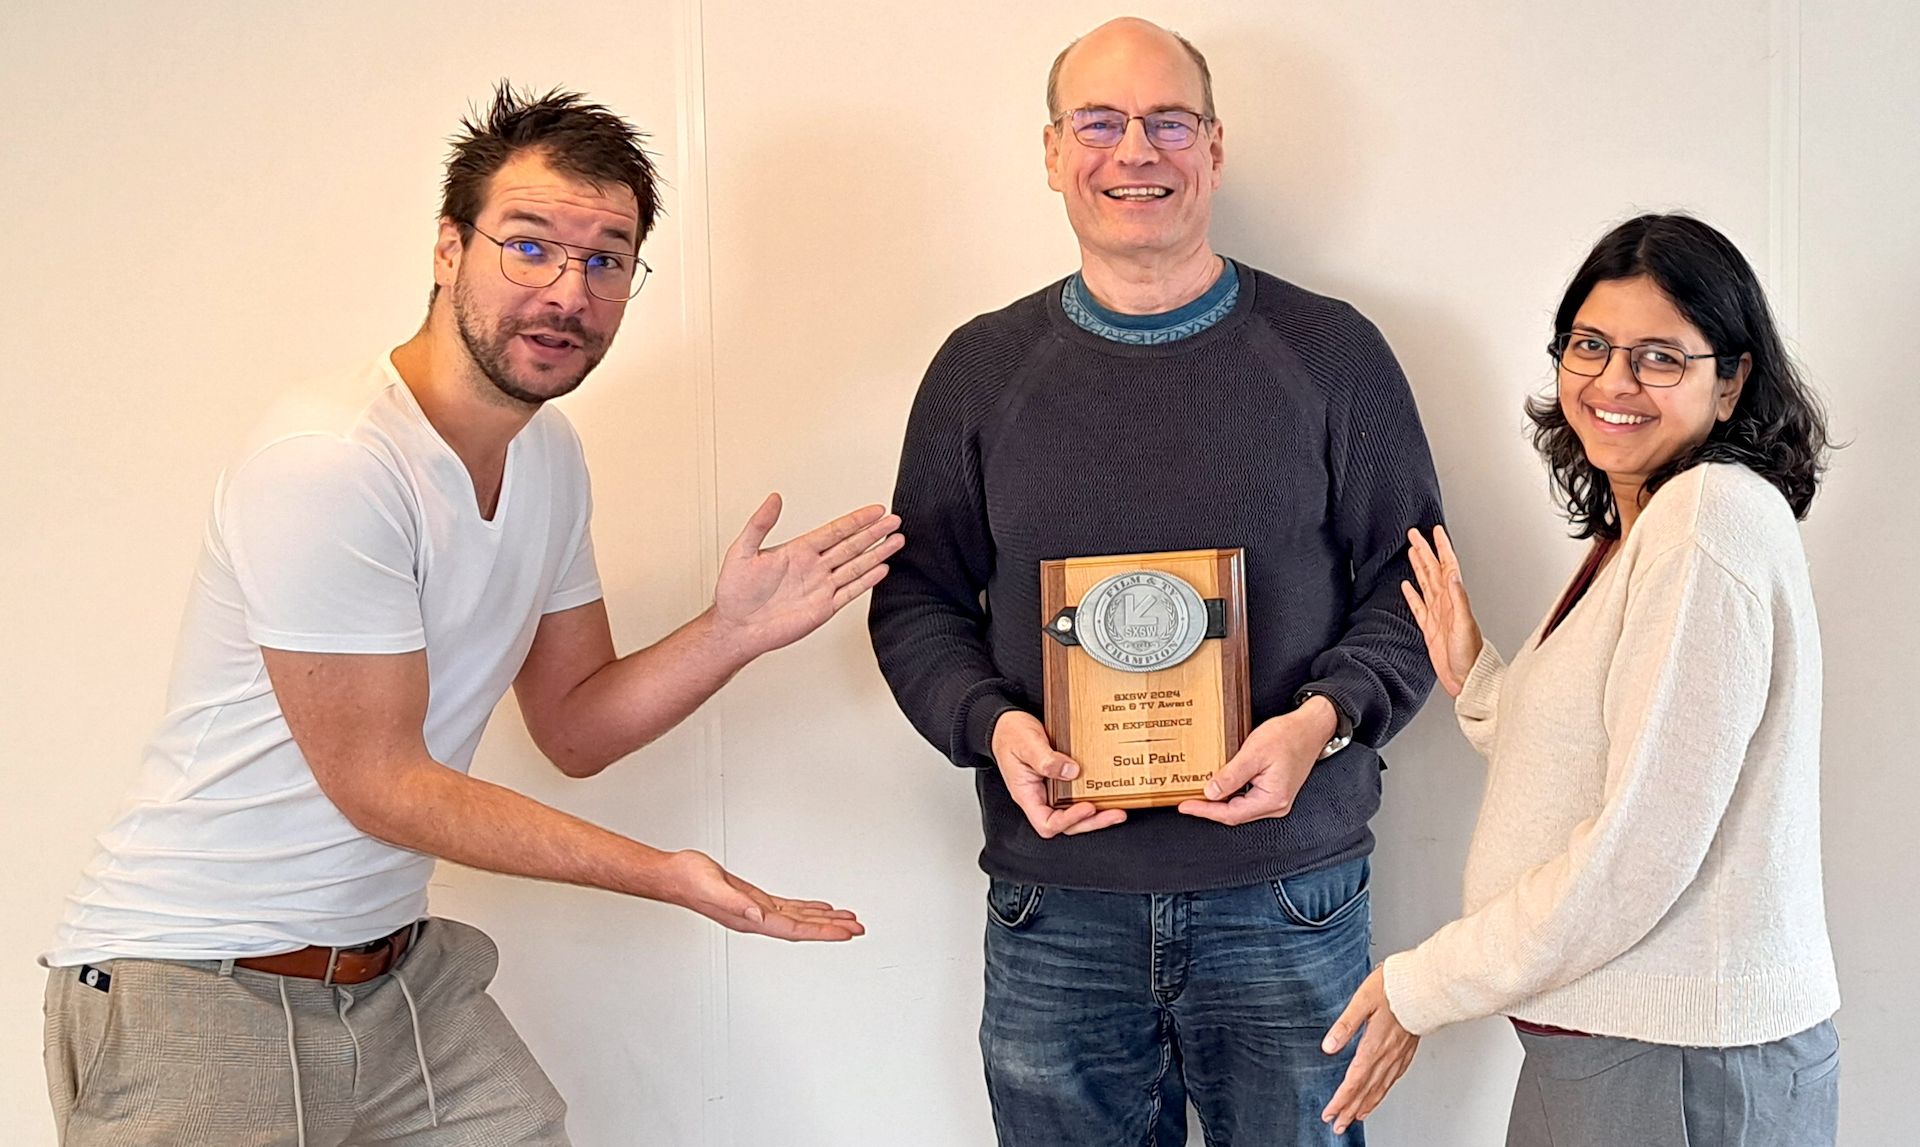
(1063, 628)
(1216, 617)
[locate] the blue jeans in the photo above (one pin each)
(1106, 1012)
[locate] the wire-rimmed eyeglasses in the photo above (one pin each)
(612, 276)
(1653, 364)
(1173, 129)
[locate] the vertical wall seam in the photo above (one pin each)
(1783, 166)
(696, 296)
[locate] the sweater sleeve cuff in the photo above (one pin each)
(1342, 712)
(1480, 693)
(1414, 993)
(982, 715)
(1348, 713)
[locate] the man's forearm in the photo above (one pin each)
(631, 701)
(425, 806)
(1379, 669)
(933, 653)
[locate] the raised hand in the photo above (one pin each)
(1027, 758)
(1384, 1054)
(1441, 609)
(702, 885)
(768, 598)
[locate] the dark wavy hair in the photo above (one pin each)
(1778, 428)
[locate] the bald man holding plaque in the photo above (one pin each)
(1157, 517)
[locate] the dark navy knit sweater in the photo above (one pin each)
(1286, 428)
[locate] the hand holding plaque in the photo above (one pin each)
(1145, 673)
(1028, 763)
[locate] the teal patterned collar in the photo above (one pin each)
(1165, 327)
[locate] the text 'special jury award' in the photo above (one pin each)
(1146, 673)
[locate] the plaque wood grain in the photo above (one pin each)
(1154, 738)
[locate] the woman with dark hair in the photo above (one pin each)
(1643, 887)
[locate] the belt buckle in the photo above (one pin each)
(387, 943)
(366, 949)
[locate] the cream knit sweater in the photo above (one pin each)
(1647, 859)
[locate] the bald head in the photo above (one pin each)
(1126, 42)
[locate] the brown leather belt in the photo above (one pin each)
(355, 965)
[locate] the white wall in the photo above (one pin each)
(1859, 279)
(207, 202)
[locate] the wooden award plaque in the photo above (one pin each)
(1148, 692)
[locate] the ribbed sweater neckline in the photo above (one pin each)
(1065, 329)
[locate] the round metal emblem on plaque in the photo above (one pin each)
(1141, 621)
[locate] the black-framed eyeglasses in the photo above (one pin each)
(612, 276)
(1170, 130)
(1653, 364)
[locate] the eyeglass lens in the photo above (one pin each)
(1105, 127)
(538, 263)
(1653, 364)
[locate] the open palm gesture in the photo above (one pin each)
(720, 896)
(774, 597)
(1440, 607)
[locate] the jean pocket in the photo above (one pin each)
(1324, 898)
(1012, 905)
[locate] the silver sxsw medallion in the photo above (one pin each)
(1141, 621)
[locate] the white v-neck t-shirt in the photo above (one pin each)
(348, 525)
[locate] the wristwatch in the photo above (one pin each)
(1343, 727)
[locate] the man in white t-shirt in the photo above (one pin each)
(247, 959)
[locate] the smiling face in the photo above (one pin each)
(1628, 430)
(535, 344)
(1133, 200)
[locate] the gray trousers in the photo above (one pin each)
(144, 1053)
(1604, 1092)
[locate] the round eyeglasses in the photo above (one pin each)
(1653, 364)
(612, 276)
(1170, 130)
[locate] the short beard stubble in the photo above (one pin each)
(488, 347)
